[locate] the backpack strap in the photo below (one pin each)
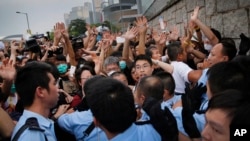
(32, 124)
(88, 130)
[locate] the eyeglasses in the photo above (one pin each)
(141, 67)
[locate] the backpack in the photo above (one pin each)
(31, 124)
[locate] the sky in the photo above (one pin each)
(42, 15)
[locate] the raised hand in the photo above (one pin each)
(105, 45)
(13, 46)
(156, 36)
(7, 70)
(57, 31)
(194, 15)
(174, 34)
(88, 28)
(163, 38)
(64, 31)
(141, 24)
(131, 33)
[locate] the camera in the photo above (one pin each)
(32, 45)
(56, 52)
(77, 42)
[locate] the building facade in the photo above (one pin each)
(230, 17)
(118, 12)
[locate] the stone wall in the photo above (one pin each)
(230, 17)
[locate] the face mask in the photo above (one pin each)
(13, 88)
(208, 47)
(122, 65)
(62, 68)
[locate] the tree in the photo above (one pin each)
(77, 27)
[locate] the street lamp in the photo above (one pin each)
(29, 31)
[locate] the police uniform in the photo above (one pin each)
(170, 102)
(199, 118)
(76, 123)
(44, 123)
(144, 132)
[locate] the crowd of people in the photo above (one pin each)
(146, 84)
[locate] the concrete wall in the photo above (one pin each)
(230, 17)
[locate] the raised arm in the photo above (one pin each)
(141, 24)
(129, 35)
(7, 73)
(69, 47)
(13, 48)
(86, 39)
(165, 66)
(205, 29)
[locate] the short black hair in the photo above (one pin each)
(227, 75)
(228, 100)
(173, 50)
(112, 104)
(80, 70)
(145, 58)
(61, 57)
(149, 52)
(229, 48)
(29, 77)
(216, 33)
(167, 80)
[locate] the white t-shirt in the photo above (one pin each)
(180, 74)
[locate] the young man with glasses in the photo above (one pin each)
(143, 66)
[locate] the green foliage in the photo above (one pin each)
(51, 34)
(77, 27)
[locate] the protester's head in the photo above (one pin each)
(143, 65)
(169, 84)
(226, 75)
(134, 74)
(229, 48)
(83, 74)
(153, 52)
(221, 52)
(176, 52)
(61, 64)
(112, 105)
(82, 62)
(226, 109)
(35, 82)
(120, 76)
(111, 63)
(88, 85)
(216, 33)
(149, 87)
